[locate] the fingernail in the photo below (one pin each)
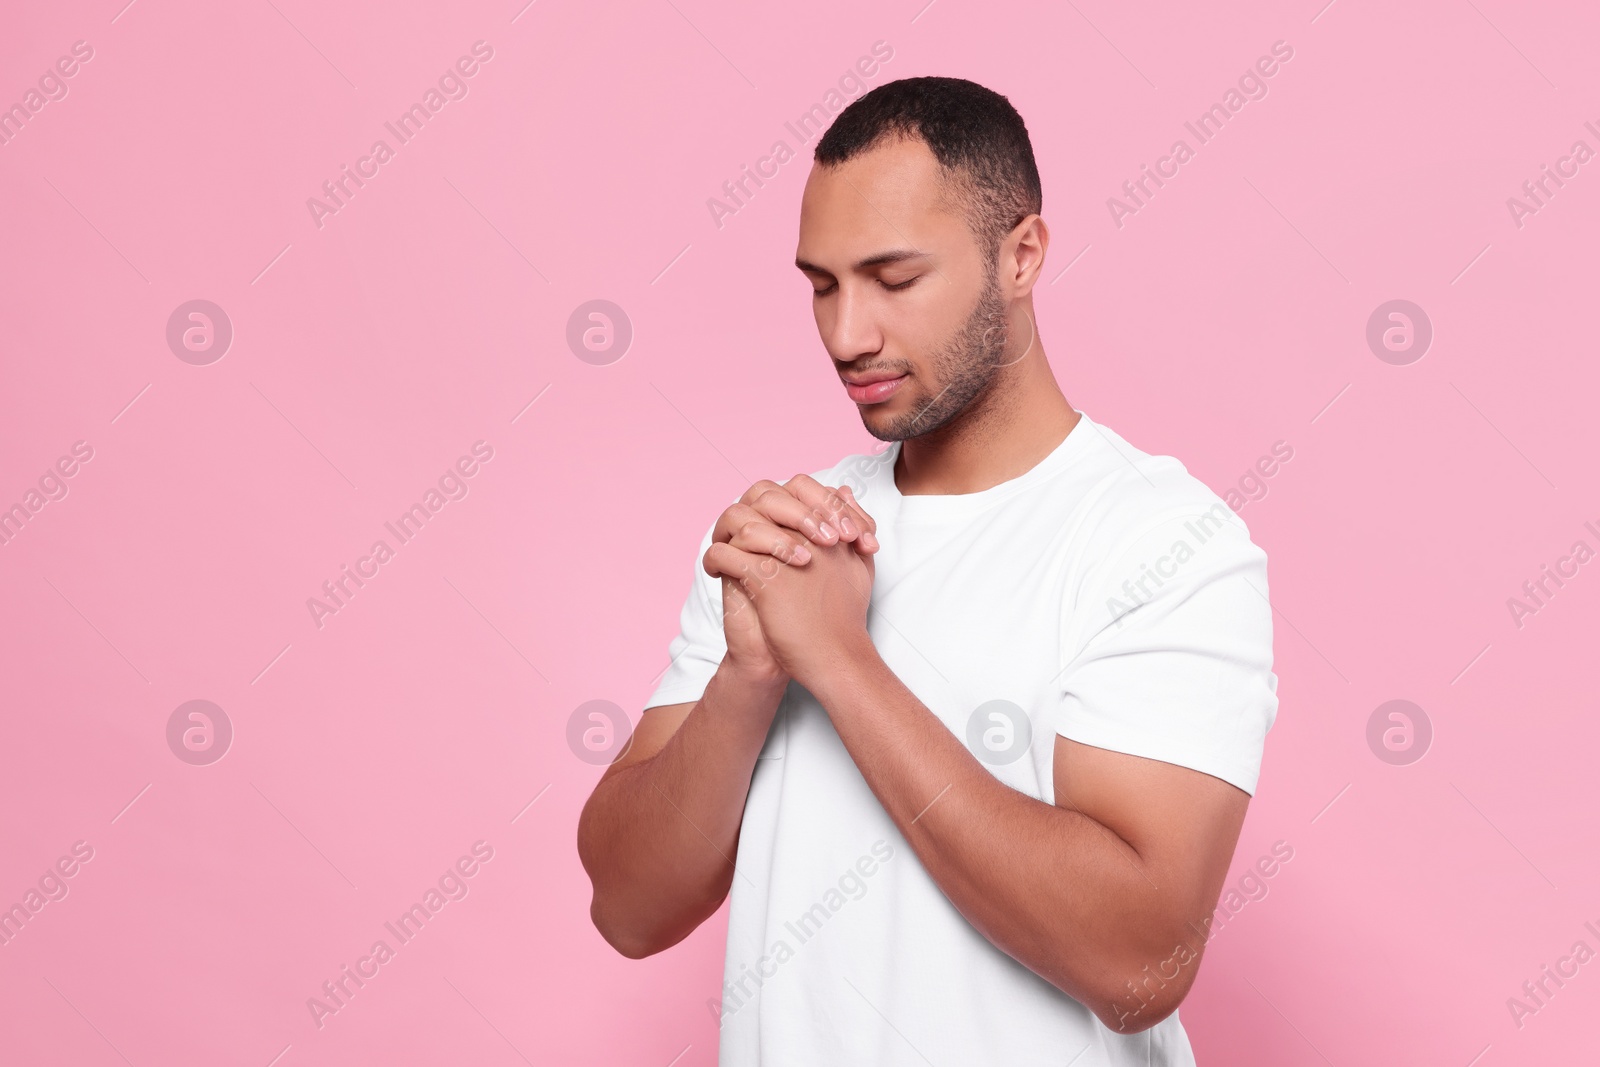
(848, 525)
(801, 553)
(869, 540)
(828, 530)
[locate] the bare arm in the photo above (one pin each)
(659, 834)
(1106, 895)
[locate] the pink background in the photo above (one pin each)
(1227, 315)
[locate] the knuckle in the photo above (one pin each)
(756, 490)
(767, 489)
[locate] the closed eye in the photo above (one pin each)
(893, 288)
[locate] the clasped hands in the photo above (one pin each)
(796, 567)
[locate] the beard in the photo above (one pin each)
(967, 365)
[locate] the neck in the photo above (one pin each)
(1018, 421)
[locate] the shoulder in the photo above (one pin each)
(1147, 513)
(1158, 552)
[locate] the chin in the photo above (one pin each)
(886, 426)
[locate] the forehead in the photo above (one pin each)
(891, 195)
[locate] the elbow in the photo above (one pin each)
(1129, 1015)
(634, 922)
(633, 943)
(636, 936)
(610, 918)
(622, 927)
(634, 910)
(1138, 992)
(1131, 1011)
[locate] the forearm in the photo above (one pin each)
(1052, 888)
(658, 838)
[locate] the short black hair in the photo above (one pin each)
(974, 133)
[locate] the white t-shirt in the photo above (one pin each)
(1105, 595)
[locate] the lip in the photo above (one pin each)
(873, 389)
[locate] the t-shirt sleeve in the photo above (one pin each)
(1168, 648)
(697, 650)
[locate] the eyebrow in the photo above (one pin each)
(878, 260)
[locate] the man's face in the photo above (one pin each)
(904, 297)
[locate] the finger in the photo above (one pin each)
(824, 516)
(758, 535)
(743, 510)
(779, 506)
(756, 489)
(774, 527)
(831, 506)
(733, 594)
(869, 536)
(751, 570)
(831, 502)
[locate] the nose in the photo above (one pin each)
(853, 331)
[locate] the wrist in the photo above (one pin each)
(848, 669)
(755, 680)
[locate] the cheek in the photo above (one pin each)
(922, 331)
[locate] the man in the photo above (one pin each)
(970, 737)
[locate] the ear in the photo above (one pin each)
(1021, 257)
